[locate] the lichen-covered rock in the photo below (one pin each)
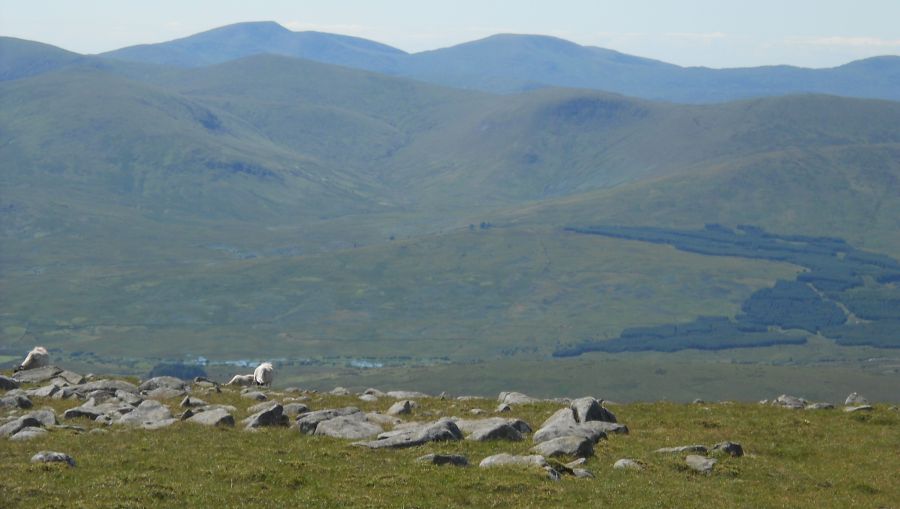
(308, 422)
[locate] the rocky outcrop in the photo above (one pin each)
(442, 430)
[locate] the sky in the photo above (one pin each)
(712, 33)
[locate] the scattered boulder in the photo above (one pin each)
(591, 409)
(308, 422)
(401, 407)
(515, 398)
(477, 411)
(15, 401)
(442, 430)
(51, 457)
(92, 410)
(14, 426)
(71, 377)
(214, 417)
(37, 375)
(792, 402)
(128, 397)
(272, 416)
(456, 460)
(700, 464)
(43, 392)
(819, 406)
(682, 448)
(260, 407)
(503, 407)
(499, 431)
(733, 449)
(354, 426)
(8, 384)
(368, 398)
(110, 386)
(45, 416)
(627, 464)
(374, 392)
(382, 419)
(505, 459)
(855, 399)
(150, 414)
(860, 408)
(339, 391)
(28, 433)
(582, 473)
(566, 446)
(294, 409)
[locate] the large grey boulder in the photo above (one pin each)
(37, 375)
(499, 431)
(15, 401)
(353, 427)
(700, 464)
(8, 384)
(591, 409)
(53, 457)
(308, 422)
(469, 426)
(213, 417)
(169, 382)
(189, 402)
(28, 433)
(128, 397)
(14, 426)
(442, 430)
(566, 446)
(273, 416)
(43, 392)
(265, 405)
(294, 409)
(110, 386)
(92, 410)
(150, 414)
(70, 377)
(45, 416)
(505, 460)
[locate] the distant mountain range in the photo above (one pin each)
(188, 195)
(512, 63)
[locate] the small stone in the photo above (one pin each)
(819, 406)
(444, 459)
(700, 464)
(261, 407)
(214, 417)
(698, 401)
(582, 473)
(683, 448)
(733, 449)
(169, 382)
(165, 393)
(51, 456)
(792, 402)
(552, 473)
(477, 411)
(295, 409)
(8, 384)
(860, 408)
(368, 398)
(189, 402)
(374, 392)
(627, 464)
(14, 426)
(503, 407)
(516, 398)
(407, 395)
(505, 459)
(340, 391)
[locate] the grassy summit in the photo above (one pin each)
(793, 458)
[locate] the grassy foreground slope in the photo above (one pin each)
(797, 459)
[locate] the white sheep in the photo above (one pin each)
(241, 380)
(263, 374)
(37, 358)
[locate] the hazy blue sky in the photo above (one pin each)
(715, 33)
